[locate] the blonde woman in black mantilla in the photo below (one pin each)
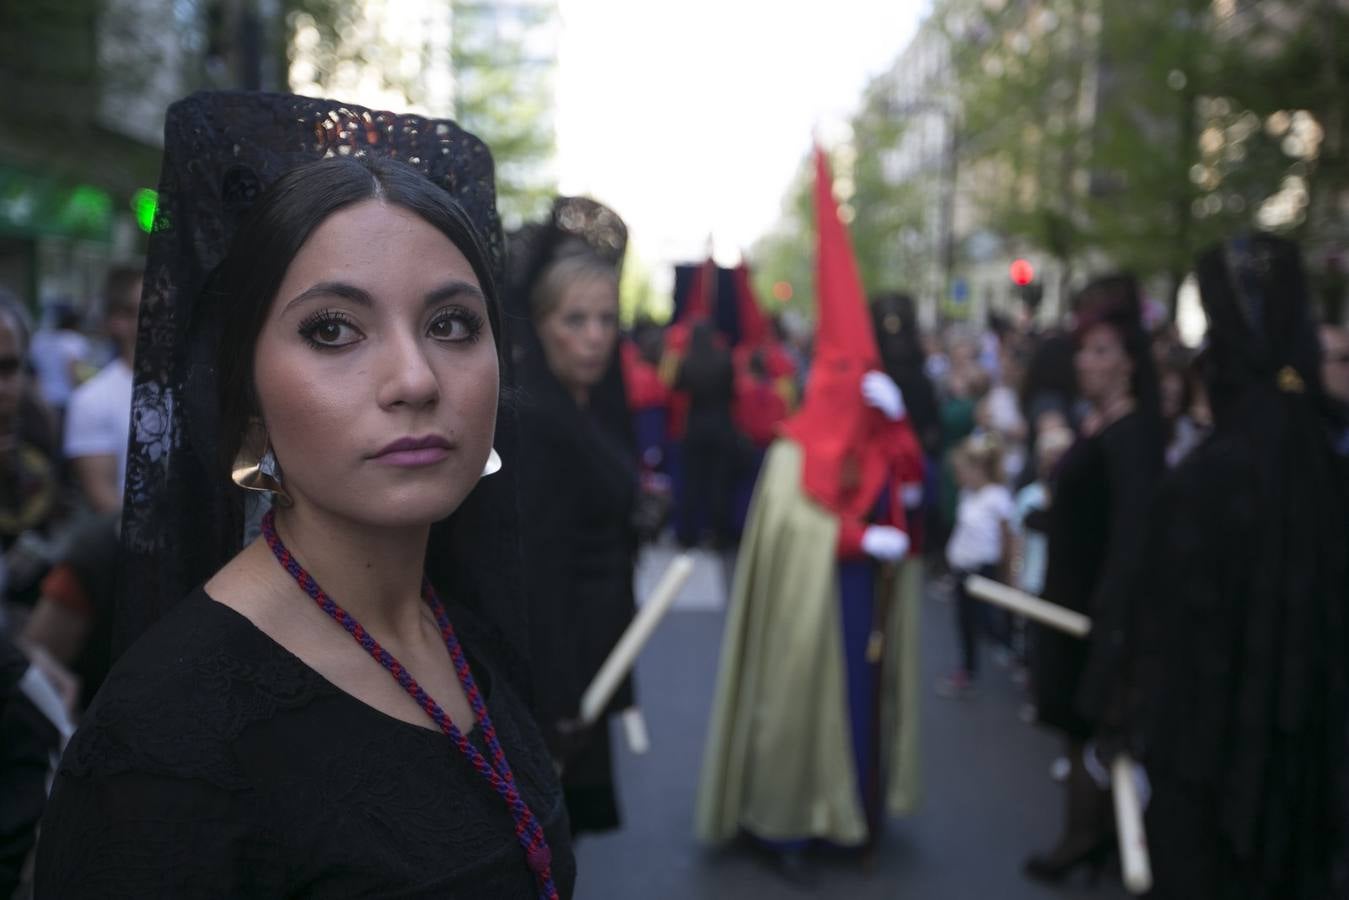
(578, 485)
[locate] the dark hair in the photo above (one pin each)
(68, 318)
(984, 452)
(278, 225)
(117, 287)
(1182, 365)
(1115, 301)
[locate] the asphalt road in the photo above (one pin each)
(988, 798)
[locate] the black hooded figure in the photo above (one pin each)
(711, 442)
(578, 483)
(1242, 673)
(894, 318)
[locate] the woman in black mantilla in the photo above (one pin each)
(1096, 529)
(257, 741)
(578, 482)
(1242, 641)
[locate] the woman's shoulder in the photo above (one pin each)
(1132, 432)
(181, 695)
(191, 642)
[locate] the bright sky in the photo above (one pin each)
(689, 118)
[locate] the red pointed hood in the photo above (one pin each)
(697, 306)
(843, 323)
(844, 440)
(753, 323)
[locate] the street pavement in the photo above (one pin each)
(988, 798)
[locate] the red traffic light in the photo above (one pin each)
(1022, 272)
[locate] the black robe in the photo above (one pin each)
(28, 741)
(1239, 676)
(578, 480)
(1096, 526)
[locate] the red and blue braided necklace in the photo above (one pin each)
(498, 773)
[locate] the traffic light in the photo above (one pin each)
(1029, 290)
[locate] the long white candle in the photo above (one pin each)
(624, 655)
(1030, 606)
(1133, 841)
(634, 726)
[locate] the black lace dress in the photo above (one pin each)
(214, 763)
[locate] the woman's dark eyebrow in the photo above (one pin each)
(448, 291)
(332, 289)
(452, 289)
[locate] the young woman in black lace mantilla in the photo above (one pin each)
(267, 737)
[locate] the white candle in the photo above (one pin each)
(1133, 841)
(634, 727)
(1031, 607)
(624, 655)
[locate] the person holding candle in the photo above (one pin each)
(578, 484)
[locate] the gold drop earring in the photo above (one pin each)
(256, 469)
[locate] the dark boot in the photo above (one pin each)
(794, 868)
(1088, 829)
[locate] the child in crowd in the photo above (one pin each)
(978, 546)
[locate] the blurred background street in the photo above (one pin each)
(988, 798)
(1036, 273)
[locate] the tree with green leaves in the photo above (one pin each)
(1140, 133)
(895, 239)
(504, 70)
(502, 61)
(891, 235)
(787, 252)
(637, 298)
(1023, 87)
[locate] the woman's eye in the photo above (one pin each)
(447, 329)
(456, 326)
(330, 331)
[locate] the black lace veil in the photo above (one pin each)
(182, 516)
(575, 225)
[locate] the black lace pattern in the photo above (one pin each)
(182, 517)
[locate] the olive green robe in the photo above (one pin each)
(779, 759)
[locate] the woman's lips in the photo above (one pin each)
(422, 456)
(414, 451)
